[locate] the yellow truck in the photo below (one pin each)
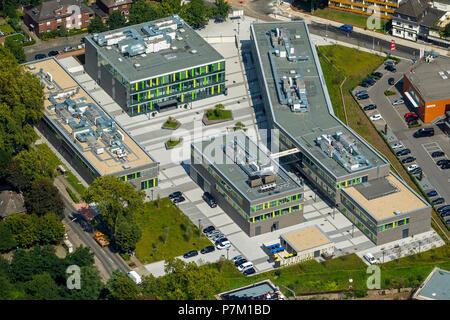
(100, 238)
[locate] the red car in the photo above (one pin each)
(411, 114)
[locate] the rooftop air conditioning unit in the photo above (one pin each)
(137, 65)
(193, 51)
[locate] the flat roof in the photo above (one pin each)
(306, 238)
(212, 149)
(106, 163)
(178, 57)
(384, 206)
(306, 127)
(436, 286)
(429, 78)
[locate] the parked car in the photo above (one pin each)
(362, 97)
(446, 165)
(411, 122)
(377, 74)
(442, 161)
(424, 132)
(359, 92)
(364, 84)
(53, 53)
(179, 199)
(207, 249)
(223, 245)
(370, 80)
(390, 62)
(190, 254)
(370, 107)
(218, 237)
(438, 201)
(408, 159)
(240, 261)
(437, 154)
(390, 68)
(209, 199)
(397, 102)
(208, 229)
(403, 152)
(443, 208)
(410, 114)
(397, 145)
(346, 28)
(445, 213)
(237, 258)
(248, 271)
(219, 241)
(245, 266)
(416, 170)
(212, 233)
(412, 167)
(391, 81)
(40, 56)
(175, 194)
(376, 117)
(68, 48)
(371, 259)
(432, 193)
(134, 276)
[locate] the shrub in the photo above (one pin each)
(72, 195)
(389, 93)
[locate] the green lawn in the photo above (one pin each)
(222, 115)
(75, 183)
(6, 29)
(170, 124)
(17, 37)
(171, 143)
(154, 221)
(334, 275)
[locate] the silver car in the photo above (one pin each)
(217, 237)
(397, 101)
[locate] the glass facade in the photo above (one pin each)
(181, 87)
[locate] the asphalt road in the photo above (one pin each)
(84, 230)
(421, 148)
(57, 44)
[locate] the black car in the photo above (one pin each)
(412, 122)
(220, 241)
(411, 119)
(239, 262)
(390, 68)
(364, 84)
(377, 74)
(443, 208)
(176, 194)
(248, 272)
(40, 56)
(391, 81)
(442, 161)
(446, 165)
(190, 254)
(424, 132)
(209, 199)
(362, 96)
(437, 154)
(208, 229)
(403, 152)
(53, 53)
(438, 201)
(179, 199)
(408, 159)
(207, 249)
(370, 107)
(416, 170)
(445, 213)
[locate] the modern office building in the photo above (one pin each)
(155, 65)
(378, 8)
(427, 86)
(322, 148)
(254, 191)
(85, 134)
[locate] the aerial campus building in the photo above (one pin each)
(252, 188)
(339, 163)
(155, 65)
(85, 134)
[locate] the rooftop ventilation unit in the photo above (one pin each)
(137, 65)
(193, 51)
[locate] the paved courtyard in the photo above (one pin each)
(243, 100)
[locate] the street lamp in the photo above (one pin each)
(382, 250)
(228, 249)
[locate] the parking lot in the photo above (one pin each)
(243, 100)
(398, 132)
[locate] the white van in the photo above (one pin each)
(370, 258)
(245, 266)
(134, 276)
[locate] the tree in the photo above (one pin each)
(6, 289)
(128, 234)
(446, 30)
(116, 20)
(82, 257)
(63, 31)
(51, 230)
(7, 241)
(116, 200)
(171, 7)
(21, 104)
(44, 197)
(195, 13)
(16, 49)
(221, 9)
(5, 159)
(25, 229)
(14, 176)
(97, 26)
(121, 287)
(143, 11)
(91, 286)
(42, 287)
